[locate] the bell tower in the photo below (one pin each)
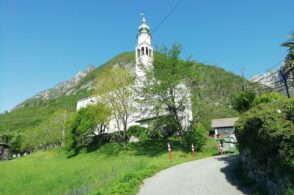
(144, 50)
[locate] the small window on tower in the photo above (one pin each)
(142, 51)
(147, 51)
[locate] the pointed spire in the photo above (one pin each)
(143, 26)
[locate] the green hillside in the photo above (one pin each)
(211, 96)
(112, 169)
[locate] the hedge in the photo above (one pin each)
(267, 130)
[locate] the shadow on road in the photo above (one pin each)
(230, 171)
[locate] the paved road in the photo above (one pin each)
(213, 175)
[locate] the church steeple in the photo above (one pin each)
(144, 50)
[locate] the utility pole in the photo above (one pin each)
(286, 84)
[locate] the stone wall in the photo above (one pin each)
(270, 178)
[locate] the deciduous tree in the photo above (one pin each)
(114, 87)
(167, 85)
(90, 122)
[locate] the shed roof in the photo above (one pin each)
(223, 122)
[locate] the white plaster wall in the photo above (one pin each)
(144, 37)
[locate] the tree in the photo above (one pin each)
(287, 69)
(167, 85)
(5, 137)
(243, 101)
(197, 136)
(89, 123)
(290, 45)
(114, 87)
(49, 133)
(17, 143)
(56, 126)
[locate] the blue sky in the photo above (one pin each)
(45, 42)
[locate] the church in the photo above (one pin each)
(144, 59)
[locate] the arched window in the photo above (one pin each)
(147, 51)
(142, 51)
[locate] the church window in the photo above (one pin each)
(138, 52)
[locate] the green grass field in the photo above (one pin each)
(112, 169)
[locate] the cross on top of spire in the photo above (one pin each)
(143, 26)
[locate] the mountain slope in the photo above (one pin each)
(34, 110)
(211, 97)
(65, 87)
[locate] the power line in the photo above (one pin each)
(271, 74)
(278, 86)
(271, 68)
(165, 18)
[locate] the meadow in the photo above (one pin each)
(112, 169)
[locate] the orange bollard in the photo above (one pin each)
(193, 152)
(169, 152)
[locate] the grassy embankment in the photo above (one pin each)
(109, 170)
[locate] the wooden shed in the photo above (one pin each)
(223, 127)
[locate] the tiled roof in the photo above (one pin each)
(223, 122)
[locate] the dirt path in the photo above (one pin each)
(215, 175)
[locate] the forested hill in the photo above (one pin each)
(211, 95)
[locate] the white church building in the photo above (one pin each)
(144, 59)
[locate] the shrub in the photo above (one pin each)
(137, 131)
(267, 98)
(196, 135)
(242, 101)
(117, 136)
(267, 130)
(162, 127)
(154, 133)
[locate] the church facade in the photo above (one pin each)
(144, 59)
